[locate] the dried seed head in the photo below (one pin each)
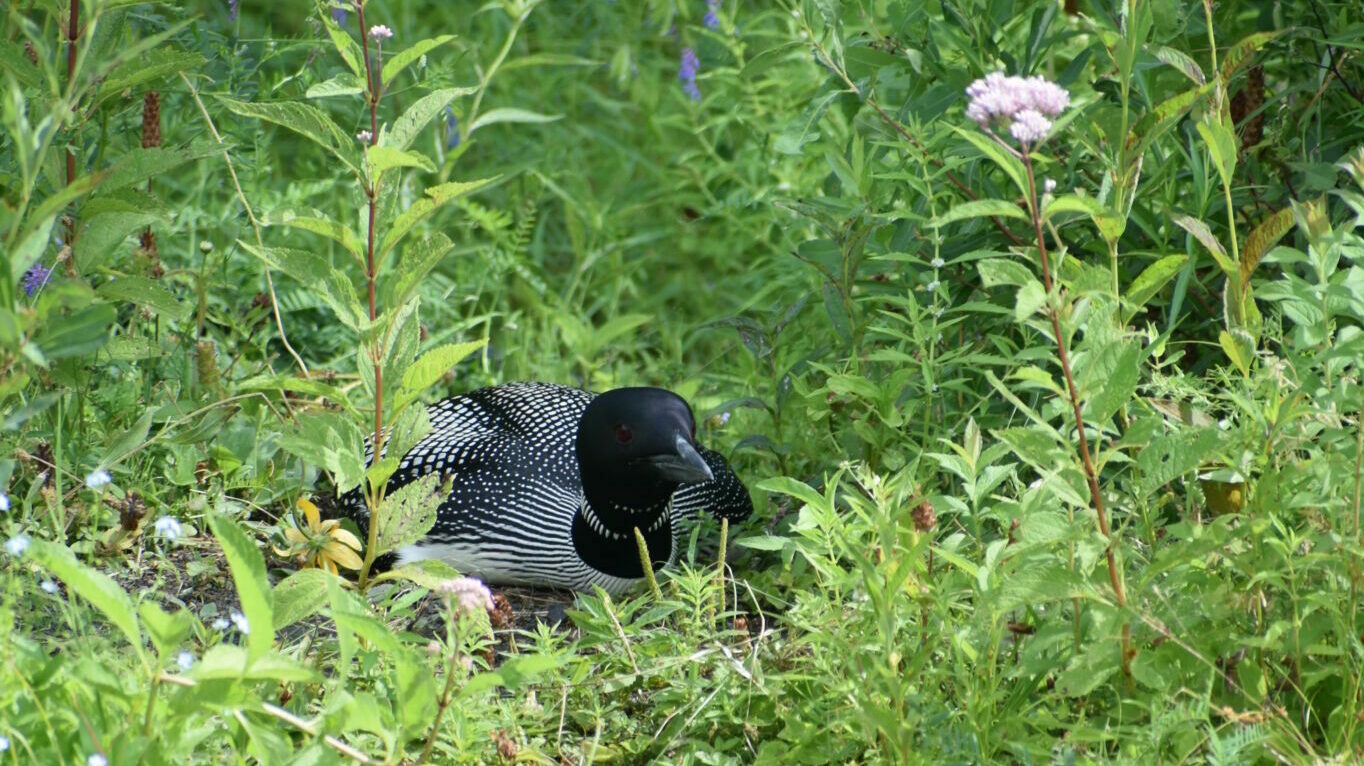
(924, 517)
(206, 361)
(151, 119)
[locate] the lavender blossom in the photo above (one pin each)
(1025, 105)
(339, 15)
(712, 19)
(467, 594)
(34, 279)
(686, 72)
(232, 10)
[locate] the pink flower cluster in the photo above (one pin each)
(1025, 104)
(467, 594)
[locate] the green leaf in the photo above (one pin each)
(1221, 143)
(1031, 297)
(136, 166)
(1240, 349)
(415, 119)
(394, 66)
(299, 596)
(247, 564)
(344, 84)
(1110, 378)
(153, 65)
(510, 114)
(78, 333)
(512, 673)
(1109, 224)
(307, 121)
(1164, 116)
(313, 271)
(31, 248)
(997, 272)
(435, 197)
(419, 258)
(1149, 282)
(327, 227)
(1181, 61)
(168, 631)
(382, 158)
(141, 291)
(428, 573)
(1168, 457)
(1010, 164)
(129, 440)
(102, 235)
(430, 366)
(408, 513)
(981, 208)
(330, 440)
(1204, 235)
(350, 51)
(228, 662)
(1237, 55)
(93, 586)
(1261, 239)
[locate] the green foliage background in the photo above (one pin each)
(823, 254)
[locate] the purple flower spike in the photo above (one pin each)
(686, 72)
(34, 279)
(339, 15)
(451, 129)
(712, 19)
(232, 10)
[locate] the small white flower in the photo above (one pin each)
(169, 527)
(1049, 185)
(724, 417)
(4, 503)
(220, 624)
(364, 136)
(98, 478)
(934, 285)
(239, 620)
(49, 585)
(937, 312)
(185, 660)
(938, 262)
(205, 246)
(96, 760)
(935, 388)
(15, 546)
(4, 743)
(1029, 127)
(380, 32)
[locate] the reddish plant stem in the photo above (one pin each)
(1072, 391)
(373, 93)
(72, 34)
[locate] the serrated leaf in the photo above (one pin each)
(1031, 297)
(102, 235)
(382, 158)
(154, 65)
(981, 208)
(1261, 239)
(394, 66)
(136, 166)
(435, 197)
(510, 114)
(428, 573)
(79, 333)
(93, 586)
(344, 84)
(247, 565)
(1166, 458)
(1240, 350)
(315, 272)
(996, 272)
(327, 227)
(415, 119)
(419, 258)
(299, 596)
(408, 513)
(1111, 378)
(145, 292)
(307, 121)
(431, 366)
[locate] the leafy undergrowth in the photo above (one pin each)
(1047, 390)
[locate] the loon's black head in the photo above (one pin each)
(635, 447)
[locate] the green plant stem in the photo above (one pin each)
(72, 35)
(1091, 475)
(720, 568)
(444, 702)
(151, 705)
(647, 564)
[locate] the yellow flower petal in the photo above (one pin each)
(344, 537)
(343, 556)
(294, 536)
(310, 511)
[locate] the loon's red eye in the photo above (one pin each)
(623, 434)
